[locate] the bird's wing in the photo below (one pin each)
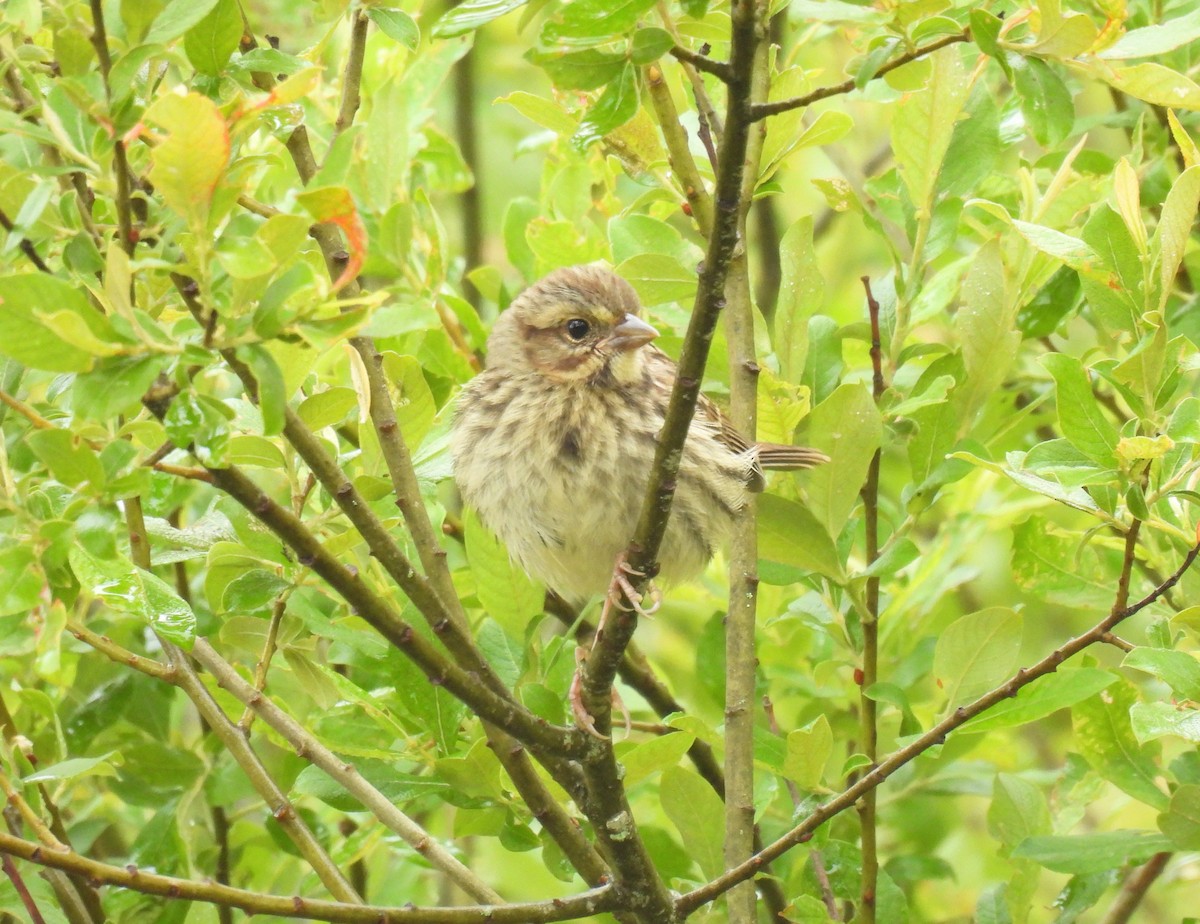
(769, 456)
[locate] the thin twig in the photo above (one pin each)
(264, 660)
(122, 200)
(22, 890)
(1134, 889)
(311, 749)
(596, 901)
(114, 652)
(720, 69)
(13, 797)
(690, 901)
(25, 245)
(763, 110)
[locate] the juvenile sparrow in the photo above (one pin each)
(553, 442)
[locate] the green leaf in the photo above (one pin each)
(801, 293)
(504, 590)
(698, 815)
(985, 326)
(125, 588)
(977, 652)
(924, 123)
(660, 753)
(272, 392)
(1181, 821)
(29, 306)
(1079, 413)
(544, 112)
(1159, 38)
(1153, 83)
(658, 278)
(649, 44)
(468, 16)
(1175, 228)
(1091, 853)
(1045, 100)
(69, 459)
(789, 533)
(808, 750)
(1105, 737)
(397, 25)
(616, 106)
(72, 768)
(1160, 720)
(21, 589)
(1178, 669)
(1018, 810)
(177, 18)
(595, 19)
(115, 385)
(1042, 697)
(210, 42)
(579, 70)
(847, 427)
(327, 408)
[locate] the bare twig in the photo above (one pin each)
(597, 901)
(25, 245)
(22, 890)
(763, 110)
(344, 773)
(264, 659)
(683, 165)
(1134, 889)
(352, 78)
(720, 69)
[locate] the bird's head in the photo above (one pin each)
(579, 324)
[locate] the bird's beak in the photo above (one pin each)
(631, 333)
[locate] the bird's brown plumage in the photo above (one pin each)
(554, 441)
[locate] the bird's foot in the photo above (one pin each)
(583, 718)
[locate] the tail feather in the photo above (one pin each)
(774, 457)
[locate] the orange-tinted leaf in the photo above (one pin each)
(335, 205)
(191, 158)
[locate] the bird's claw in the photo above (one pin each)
(583, 718)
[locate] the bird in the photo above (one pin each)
(553, 442)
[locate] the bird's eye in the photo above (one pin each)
(577, 328)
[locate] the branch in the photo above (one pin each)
(617, 831)
(308, 747)
(741, 656)
(1134, 889)
(14, 876)
(868, 708)
(690, 901)
(679, 155)
(352, 79)
(762, 110)
(720, 69)
(120, 161)
(277, 801)
(25, 245)
(596, 901)
(114, 652)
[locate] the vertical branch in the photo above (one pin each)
(870, 629)
(471, 198)
(741, 661)
(766, 217)
(120, 162)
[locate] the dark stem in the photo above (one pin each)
(1134, 889)
(762, 110)
(14, 876)
(471, 198)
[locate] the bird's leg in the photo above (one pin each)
(620, 587)
(583, 718)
